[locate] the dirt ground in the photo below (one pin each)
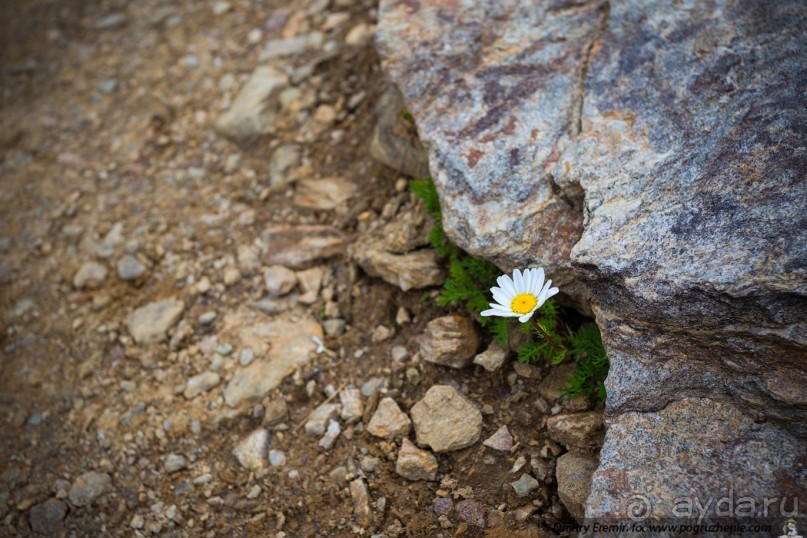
(107, 150)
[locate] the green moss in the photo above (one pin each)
(469, 282)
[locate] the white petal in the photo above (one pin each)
(538, 280)
(518, 280)
(551, 292)
(498, 312)
(542, 297)
(507, 285)
(500, 297)
(526, 317)
(547, 285)
(528, 277)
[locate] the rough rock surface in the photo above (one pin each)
(446, 420)
(695, 245)
(574, 482)
(449, 341)
(664, 145)
(718, 439)
(490, 100)
(291, 345)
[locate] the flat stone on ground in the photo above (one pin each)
(48, 517)
(150, 323)
(297, 246)
(88, 487)
(291, 345)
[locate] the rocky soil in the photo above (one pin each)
(216, 311)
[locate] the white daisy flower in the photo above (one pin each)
(520, 296)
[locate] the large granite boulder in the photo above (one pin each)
(681, 130)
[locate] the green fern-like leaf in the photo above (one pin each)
(592, 364)
(531, 351)
(483, 272)
(426, 191)
(500, 330)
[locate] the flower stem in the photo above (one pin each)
(548, 339)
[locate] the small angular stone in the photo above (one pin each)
(88, 487)
(130, 268)
(331, 435)
(279, 280)
(201, 383)
(361, 502)
(296, 246)
(492, 358)
(584, 431)
(525, 485)
(352, 405)
(316, 423)
(527, 371)
(174, 463)
(449, 341)
(471, 512)
(149, 324)
(90, 275)
(310, 284)
(446, 420)
(414, 463)
(389, 421)
(276, 411)
(501, 440)
(47, 517)
(251, 451)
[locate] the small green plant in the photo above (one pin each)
(469, 281)
(410, 121)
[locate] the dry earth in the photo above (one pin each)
(117, 193)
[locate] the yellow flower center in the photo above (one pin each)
(524, 303)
